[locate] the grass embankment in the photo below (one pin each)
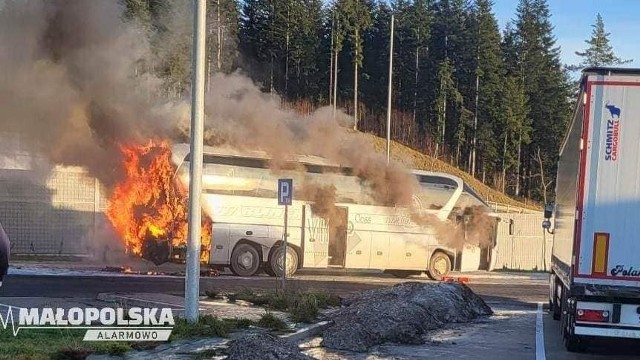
(302, 306)
(53, 344)
(68, 344)
(419, 161)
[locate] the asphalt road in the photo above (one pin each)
(510, 334)
(81, 286)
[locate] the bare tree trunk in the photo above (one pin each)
(331, 63)
(335, 84)
(544, 185)
(444, 122)
(286, 64)
(271, 77)
(271, 70)
(518, 172)
(475, 126)
(219, 63)
(504, 162)
(355, 85)
(415, 88)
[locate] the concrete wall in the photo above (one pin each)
(54, 214)
(521, 243)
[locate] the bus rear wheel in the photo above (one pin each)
(275, 261)
(439, 266)
(245, 260)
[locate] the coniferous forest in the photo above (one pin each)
(493, 103)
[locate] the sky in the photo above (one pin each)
(572, 20)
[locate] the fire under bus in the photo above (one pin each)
(595, 273)
(344, 230)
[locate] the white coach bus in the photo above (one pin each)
(240, 195)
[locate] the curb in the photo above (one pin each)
(309, 331)
(131, 301)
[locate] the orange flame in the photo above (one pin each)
(149, 203)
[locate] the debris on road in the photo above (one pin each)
(207, 272)
(269, 347)
(401, 314)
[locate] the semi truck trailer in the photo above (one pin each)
(594, 283)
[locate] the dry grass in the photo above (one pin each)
(419, 161)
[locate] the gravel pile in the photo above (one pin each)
(401, 314)
(263, 346)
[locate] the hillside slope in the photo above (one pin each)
(419, 161)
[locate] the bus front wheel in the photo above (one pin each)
(275, 260)
(245, 260)
(439, 266)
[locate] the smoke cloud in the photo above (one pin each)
(69, 85)
(73, 86)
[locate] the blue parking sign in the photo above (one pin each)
(285, 191)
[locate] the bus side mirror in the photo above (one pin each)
(548, 211)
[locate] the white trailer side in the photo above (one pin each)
(595, 275)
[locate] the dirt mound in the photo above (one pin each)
(263, 346)
(401, 314)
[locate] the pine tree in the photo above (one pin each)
(222, 39)
(488, 89)
(547, 89)
(376, 60)
(514, 127)
(599, 52)
(359, 20)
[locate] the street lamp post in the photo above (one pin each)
(389, 94)
(192, 278)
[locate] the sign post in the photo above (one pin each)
(285, 197)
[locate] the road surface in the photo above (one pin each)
(510, 334)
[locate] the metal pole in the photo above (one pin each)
(389, 95)
(192, 280)
(284, 259)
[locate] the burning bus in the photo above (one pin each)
(335, 220)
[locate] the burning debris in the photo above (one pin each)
(207, 272)
(149, 208)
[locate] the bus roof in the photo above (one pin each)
(181, 150)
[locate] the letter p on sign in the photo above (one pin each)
(285, 191)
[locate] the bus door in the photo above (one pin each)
(325, 239)
(338, 225)
(316, 240)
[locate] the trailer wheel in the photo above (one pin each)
(572, 342)
(439, 266)
(275, 260)
(556, 310)
(245, 260)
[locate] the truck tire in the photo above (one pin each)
(556, 309)
(439, 266)
(555, 290)
(275, 260)
(245, 260)
(572, 342)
